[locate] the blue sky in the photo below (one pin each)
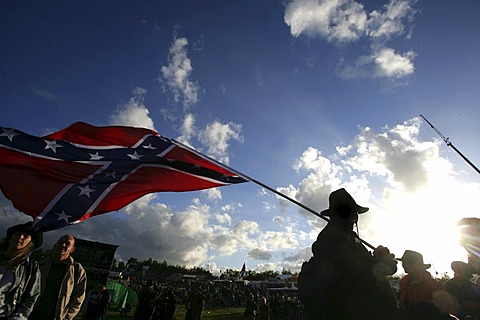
(306, 96)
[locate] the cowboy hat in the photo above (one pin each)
(341, 197)
(37, 237)
(461, 267)
(411, 256)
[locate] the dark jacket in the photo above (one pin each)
(466, 295)
(347, 286)
(25, 290)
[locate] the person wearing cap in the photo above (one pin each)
(19, 274)
(418, 288)
(464, 291)
(64, 283)
(350, 281)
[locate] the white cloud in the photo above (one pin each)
(343, 21)
(176, 75)
(268, 206)
(382, 63)
(133, 113)
(334, 20)
(274, 240)
(216, 137)
(224, 218)
(188, 129)
(213, 194)
(346, 20)
(263, 267)
(259, 254)
(390, 64)
(303, 254)
(384, 24)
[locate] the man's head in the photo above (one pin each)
(342, 207)
(99, 287)
(412, 262)
(462, 269)
(63, 248)
(21, 235)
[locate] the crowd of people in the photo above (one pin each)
(342, 281)
(159, 300)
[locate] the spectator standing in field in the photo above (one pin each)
(170, 305)
(146, 301)
(195, 305)
(64, 283)
(263, 310)
(250, 308)
(97, 303)
(19, 274)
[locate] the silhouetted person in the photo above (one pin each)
(146, 302)
(264, 310)
(195, 305)
(343, 279)
(418, 290)
(464, 291)
(250, 308)
(170, 305)
(97, 303)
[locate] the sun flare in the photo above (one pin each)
(420, 224)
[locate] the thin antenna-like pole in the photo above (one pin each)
(262, 185)
(447, 141)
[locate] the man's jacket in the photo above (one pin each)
(72, 289)
(25, 290)
(424, 289)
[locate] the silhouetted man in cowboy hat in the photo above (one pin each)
(419, 292)
(351, 282)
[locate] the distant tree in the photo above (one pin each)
(286, 271)
(121, 265)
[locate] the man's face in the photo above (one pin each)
(19, 240)
(412, 266)
(345, 215)
(64, 247)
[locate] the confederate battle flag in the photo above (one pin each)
(83, 171)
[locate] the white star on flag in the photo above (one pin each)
(52, 145)
(95, 156)
(135, 155)
(110, 174)
(85, 191)
(63, 216)
(9, 133)
(150, 147)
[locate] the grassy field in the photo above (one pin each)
(208, 313)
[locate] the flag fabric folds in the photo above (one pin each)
(83, 171)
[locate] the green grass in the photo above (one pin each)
(208, 313)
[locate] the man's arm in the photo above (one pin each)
(78, 293)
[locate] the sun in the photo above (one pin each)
(414, 224)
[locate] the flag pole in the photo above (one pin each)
(262, 185)
(447, 141)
